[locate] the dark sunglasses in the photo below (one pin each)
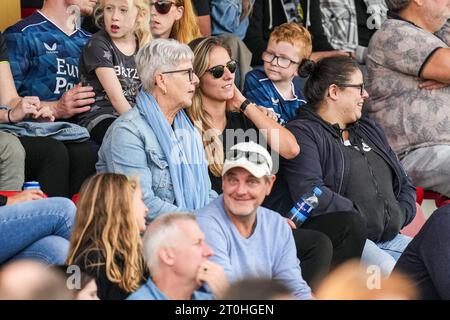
(361, 87)
(218, 71)
(190, 71)
(251, 156)
(163, 7)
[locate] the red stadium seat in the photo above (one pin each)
(12, 193)
(75, 198)
(9, 193)
(439, 199)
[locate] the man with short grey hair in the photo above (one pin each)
(178, 260)
(408, 81)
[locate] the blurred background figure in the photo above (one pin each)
(30, 280)
(83, 286)
(258, 289)
(354, 281)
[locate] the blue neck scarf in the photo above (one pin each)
(184, 152)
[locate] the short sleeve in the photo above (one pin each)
(403, 47)
(97, 53)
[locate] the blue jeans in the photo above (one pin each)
(37, 230)
(384, 254)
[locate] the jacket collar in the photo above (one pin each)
(308, 113)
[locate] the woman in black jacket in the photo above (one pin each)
(349, 158)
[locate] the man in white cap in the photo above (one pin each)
(249, 240)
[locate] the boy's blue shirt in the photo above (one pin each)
(261, 90)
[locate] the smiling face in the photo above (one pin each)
(161, 24)
(349, 101)
(120, 18)
(220, 89)
(243, 193)
(284, 50)
(180, 90)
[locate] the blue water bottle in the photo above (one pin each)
(302, 209)
(31, 185)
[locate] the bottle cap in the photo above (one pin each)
(31, 185)
(317, 191)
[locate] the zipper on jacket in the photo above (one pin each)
(343, 166)
(392, 167)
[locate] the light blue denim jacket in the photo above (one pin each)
(225, 18)
(131, 147)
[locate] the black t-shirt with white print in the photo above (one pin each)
(100, 51)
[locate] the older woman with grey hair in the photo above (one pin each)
(156, 140)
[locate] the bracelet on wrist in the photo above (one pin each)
(244, 105)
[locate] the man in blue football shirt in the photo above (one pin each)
(44, 50)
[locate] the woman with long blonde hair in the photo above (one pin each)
(106, 239)
(174, 20)
(219, 110)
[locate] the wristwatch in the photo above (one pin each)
(244, 105)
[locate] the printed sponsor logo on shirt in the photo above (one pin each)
(275, 101)
(50, 49)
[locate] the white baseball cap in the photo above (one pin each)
(250, 156)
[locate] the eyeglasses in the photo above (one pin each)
(163, 7)
(218, 71)
(190, 71)
(281, 61)
(360, 86)
(251, 156)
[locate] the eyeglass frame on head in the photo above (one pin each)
(238, 154)
(164, 2)
(361, 87)
(212, 69)
(278, 59)
(189, 70)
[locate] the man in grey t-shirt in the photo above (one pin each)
(408, 81)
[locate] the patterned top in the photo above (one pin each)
(44, 59)
(411, 117)
(101, 52)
